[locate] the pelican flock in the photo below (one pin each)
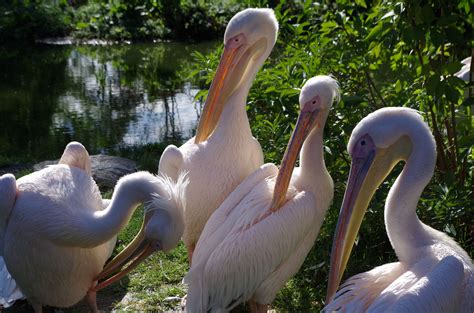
(259, 237)
(433, 274)
(223, 152)
(247, 227)
(57, 231)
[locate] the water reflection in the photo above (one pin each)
(104, 97)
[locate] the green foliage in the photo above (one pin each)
(120, 20)
(115, 19)
(152, 19)
(383, 54)
(26, 20)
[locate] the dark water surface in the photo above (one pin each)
(103, 96)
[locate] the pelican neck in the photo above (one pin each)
(312, 165)
(404, 229)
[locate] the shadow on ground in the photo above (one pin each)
(107, 299)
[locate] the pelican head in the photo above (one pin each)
(316, 98)
(248, 40)
(377, 144)
(161, 230)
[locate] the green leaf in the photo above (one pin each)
(82, 25)
(376, 50)
(431, 84)
(454, 67)
(269, 89)
(451, 94)
(398, 86)
(361, 3)
(375, 31)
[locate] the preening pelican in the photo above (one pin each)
(260, 235)
(433, 273)
(57, 232)
(223, 152)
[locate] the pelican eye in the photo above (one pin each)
(362, 143)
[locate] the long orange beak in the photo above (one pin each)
(303, 126)
(220, 88)
(351, 214)
(137, 251)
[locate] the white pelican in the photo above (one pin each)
(57, 232)
(260, 235)
(223, 152)
(434, 274)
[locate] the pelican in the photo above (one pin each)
(57, 232)
(433, 273)
(223, 152)
(260, 235)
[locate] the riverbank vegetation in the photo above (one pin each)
(115, 20)
(383, 54)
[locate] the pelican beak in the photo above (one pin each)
(137, 251)
(233, 63)
(305, 123)
(354, 206)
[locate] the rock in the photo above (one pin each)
(106, 169)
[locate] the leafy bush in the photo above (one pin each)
(115, 19)
(30, 20)
(145, 20)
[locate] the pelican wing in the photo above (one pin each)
(208, 240)
(75, 154)
(395, 288)
(438, 290)
(170, 162)
(247, 247)
(358, 292)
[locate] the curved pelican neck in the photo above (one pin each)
(234, 120)
(312, 166)
(87, 230)
(404, 229)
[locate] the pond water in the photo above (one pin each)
(105, 97)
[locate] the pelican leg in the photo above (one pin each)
(91, 298)
(256, 307)
(36, 306)
(190, 253)
(183, 302)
